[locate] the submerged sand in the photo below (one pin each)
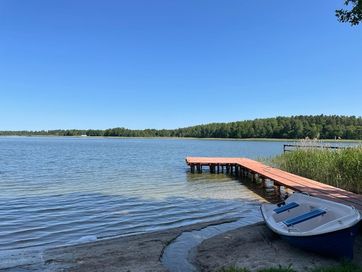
(131, 253)
(252, 247)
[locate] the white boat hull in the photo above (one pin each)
(315, 224)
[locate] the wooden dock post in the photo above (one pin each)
(280, 190)
(263, 182)
(277, 189)
(243, 172)
(253, 177)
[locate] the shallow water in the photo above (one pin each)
(56, 191)
(176, 257)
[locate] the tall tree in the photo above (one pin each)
(352, 15)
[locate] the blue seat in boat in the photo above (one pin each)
(286, 207)
(303, 217)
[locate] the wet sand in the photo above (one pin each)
(131, 253)
(253, 247)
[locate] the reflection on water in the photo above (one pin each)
(57, 191)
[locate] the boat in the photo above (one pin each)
(314, 224)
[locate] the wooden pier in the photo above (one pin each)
(243, 167)
(292, 147)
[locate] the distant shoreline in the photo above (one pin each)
(184, 138)
(286, 128)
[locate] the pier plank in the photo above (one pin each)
(283, 178)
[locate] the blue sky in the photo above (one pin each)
(168, 64)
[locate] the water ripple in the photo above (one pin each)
(55, 191)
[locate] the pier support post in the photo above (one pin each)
(236, 170)
(263, 183)
(269, 187)
(192, 167)
(253, 177)
(280, 190)
(277, 189)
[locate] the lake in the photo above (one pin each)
(58, 190)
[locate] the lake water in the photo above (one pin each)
(57, 191)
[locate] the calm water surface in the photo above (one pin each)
(56, 191)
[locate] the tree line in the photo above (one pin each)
(295, 127)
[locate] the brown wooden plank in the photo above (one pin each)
(284, 178)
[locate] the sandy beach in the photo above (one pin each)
(253, 247)
(256, 247)
(131, 253)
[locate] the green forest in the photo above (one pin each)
(295, 127)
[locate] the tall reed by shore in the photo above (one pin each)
(340, 168)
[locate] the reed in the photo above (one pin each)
(340, 168)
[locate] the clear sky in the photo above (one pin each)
(168, 64)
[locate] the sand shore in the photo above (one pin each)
(131, 253)
(253, 247)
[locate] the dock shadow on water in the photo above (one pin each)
(247, 185)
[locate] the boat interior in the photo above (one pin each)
(303, 216)
(301, 213)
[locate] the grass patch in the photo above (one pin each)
(340, 168)
(279, 269)
(343, 267)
